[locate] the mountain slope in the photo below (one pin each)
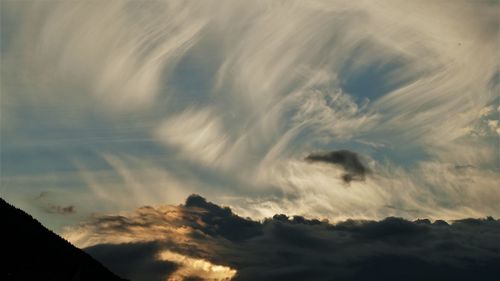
(32, 252)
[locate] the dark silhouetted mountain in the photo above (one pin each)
(32, 252)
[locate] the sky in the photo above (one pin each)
(329, 110)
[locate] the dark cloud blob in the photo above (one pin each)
(296, 248)
(222, 221)
(51, 208)
(63, 210)
(348, 160)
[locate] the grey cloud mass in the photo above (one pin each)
(296, 248)
(135, 260)
(348, 160)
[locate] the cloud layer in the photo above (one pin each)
(289, 248)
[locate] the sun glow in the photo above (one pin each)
(191, 267)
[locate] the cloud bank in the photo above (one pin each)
(288, 248)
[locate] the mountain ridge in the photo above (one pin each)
(30, 251)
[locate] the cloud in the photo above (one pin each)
(348, 160)
(118, 60)
(136, 260)
(432, 189)
(198, 134)
(43, 199)
(296, 248)
(233, 94)
(148, 262)
(63, 210)
(196, 268)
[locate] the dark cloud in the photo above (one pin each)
(137, 261)
(42, 194)
(42, 200)
(348, 160)
(221, 221)
(63, 210)
(296, 248)
(463, 167)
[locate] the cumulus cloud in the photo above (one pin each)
(487, 123)
(292, 248)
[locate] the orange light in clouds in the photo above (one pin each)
(191, 267)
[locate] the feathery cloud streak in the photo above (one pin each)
(236, 94)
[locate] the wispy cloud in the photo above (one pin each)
(198, 134)
(238, 93)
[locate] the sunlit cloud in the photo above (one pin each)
(198, 134)
(200, 268)
(146, 224)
